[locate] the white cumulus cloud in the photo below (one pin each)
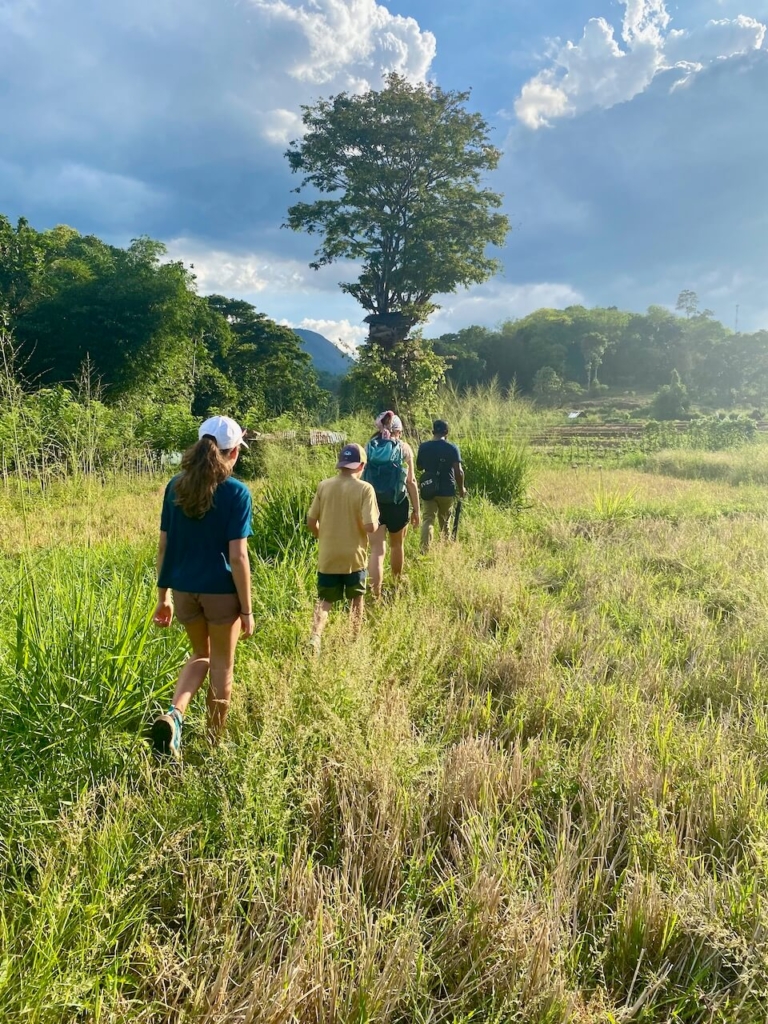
(600, 71)
(716, 40)
(248, 274)
(354, 39)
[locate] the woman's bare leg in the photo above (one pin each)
(195, 670)
(397, 552)
(223, 643)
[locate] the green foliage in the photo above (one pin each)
(166, 428)
(403, 168)
(134, 321)
(687, 302)
(465, 365)
(486, 411)
(406, 377)
(613, 506)
(79, 655)
(706, 434)
(628, 350)
(279, 529)
(548, 387)
(125, 311)
(53, 431)
(498, 469)
(671, 402)
(272, 372)
(22, 262)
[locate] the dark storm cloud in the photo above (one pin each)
(170, 118)
(651, 196)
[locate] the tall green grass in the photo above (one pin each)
(534, 788)
(498, 469)
(487, 411)
(78, 654)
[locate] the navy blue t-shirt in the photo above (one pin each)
(436, 458)
(197, 556)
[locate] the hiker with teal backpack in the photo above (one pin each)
(390, 471)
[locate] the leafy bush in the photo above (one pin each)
(712, 435)
(671, 402)
(167, 428)
(53, 431)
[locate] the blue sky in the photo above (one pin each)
(634, 138)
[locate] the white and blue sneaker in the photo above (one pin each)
(166, 733)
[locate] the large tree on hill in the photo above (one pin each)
(400, 176)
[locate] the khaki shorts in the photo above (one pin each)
(218, 609)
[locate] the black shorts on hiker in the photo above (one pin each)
(335, 586)
(395, 517)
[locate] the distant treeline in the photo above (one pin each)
(134, 323)
(560, 354)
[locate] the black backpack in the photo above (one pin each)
(430, 482)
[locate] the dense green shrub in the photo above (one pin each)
(671, 402)
(498, 469)
(167, 428)
(712, 434)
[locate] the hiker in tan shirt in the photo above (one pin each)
(342, 516)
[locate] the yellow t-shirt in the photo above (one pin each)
(342, 506)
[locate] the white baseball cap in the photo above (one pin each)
(224, 431)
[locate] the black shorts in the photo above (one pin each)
(395, 517)
(335, 586)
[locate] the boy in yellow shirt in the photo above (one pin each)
(342, 516)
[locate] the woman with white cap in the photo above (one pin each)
(390, 470)
(202, 559)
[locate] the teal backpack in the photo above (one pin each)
(386, 470)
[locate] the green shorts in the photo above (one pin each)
(335, 586)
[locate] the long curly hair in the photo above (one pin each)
(203, 468)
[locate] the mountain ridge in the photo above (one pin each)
(326, 356)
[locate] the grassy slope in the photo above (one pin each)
(534, 790)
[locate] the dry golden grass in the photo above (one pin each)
(571, 489)
(80, 513)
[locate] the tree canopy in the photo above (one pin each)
(587, 349)
(134, 319)
(400, 172)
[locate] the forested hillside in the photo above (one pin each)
(326, 357)
(133, 321)
(559, 354)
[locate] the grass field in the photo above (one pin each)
(533, 791)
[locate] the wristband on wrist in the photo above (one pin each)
(246, 613)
